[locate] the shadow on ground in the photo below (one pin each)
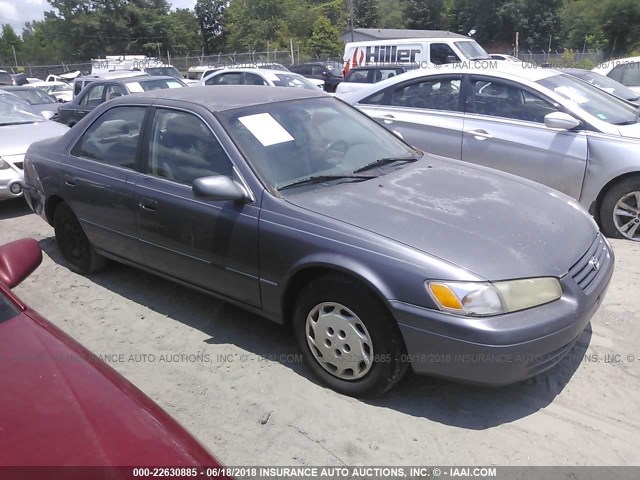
(14, 208)
(438, 400)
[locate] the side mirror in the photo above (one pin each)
(561, 121)
(219, 187)
(18, 260)
(47, 114)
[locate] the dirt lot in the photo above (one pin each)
(234, 380)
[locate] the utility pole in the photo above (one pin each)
(351, 16)
(517, 44)
(15, 58)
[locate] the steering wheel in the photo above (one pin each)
(334, 151)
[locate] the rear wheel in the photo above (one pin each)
(74, 245)
(348, 338)
(620, 210)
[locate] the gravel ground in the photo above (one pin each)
(235, 380)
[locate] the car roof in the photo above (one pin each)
(253, 70)
(224, 97)
(17, 87)
(141, 78)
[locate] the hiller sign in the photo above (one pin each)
(387, 54)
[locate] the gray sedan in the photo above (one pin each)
(534, 122)
(294, 205)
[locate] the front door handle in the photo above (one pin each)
(480, 134)
(70, 181)
(149, 205)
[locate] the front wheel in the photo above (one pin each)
(348, 338)
(620, 210)
(76, 248)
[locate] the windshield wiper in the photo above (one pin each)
(385, 161)
(324, 178)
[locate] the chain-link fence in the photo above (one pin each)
(588, 59)
(556, 59)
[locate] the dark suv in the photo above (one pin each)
(330, 72)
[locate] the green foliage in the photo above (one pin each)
(210, 17)
(8, 41)
(424, 14)
(325, 39)
(365, 13)
(390, 14)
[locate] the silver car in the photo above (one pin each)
(533, 122)
(18, 129)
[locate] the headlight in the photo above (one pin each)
(3, 164)
(485, 298)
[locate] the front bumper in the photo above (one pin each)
(503, 349)
(11, 182)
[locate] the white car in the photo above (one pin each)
(504, 58)
(19, 128)
(624, 70)
(62, 91)
(257, 76)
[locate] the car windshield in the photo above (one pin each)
(34, 96)
(607, 84)
(284, 80)
(14, 111)
(472, 51)
(148, 85)
(592, 100)
(288, 142)
(164, 72)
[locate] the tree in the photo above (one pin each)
(424, 14)
(390, 14)
(183, 36)
(8, 41)
(493, 20)
(325, 39)
(210, 18)
(365, 13)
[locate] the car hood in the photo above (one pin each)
(62, 406)
(15, 139)
(630, 131)
(495, 225)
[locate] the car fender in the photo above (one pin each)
(610, 158)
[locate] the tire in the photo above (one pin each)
(74, 245)
(350, 318)
(622, 226)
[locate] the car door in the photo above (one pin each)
(504, 129)
(425, 111)
(207, 243)
(96, 180)
(91, 98)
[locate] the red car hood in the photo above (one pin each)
(60, 405)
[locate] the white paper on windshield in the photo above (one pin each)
(266, 129)
(135, 87)
(571, 94)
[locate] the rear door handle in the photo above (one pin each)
(480, 134)
(149, 205)
(388, 118)
(70, 181)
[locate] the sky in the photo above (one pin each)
(17, 12)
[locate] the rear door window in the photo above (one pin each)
(113, 137)
(440, 93)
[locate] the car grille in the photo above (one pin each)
(19, 165)
(589, 268)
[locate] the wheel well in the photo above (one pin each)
(605, 190)
(305, 276)
(50, 207)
